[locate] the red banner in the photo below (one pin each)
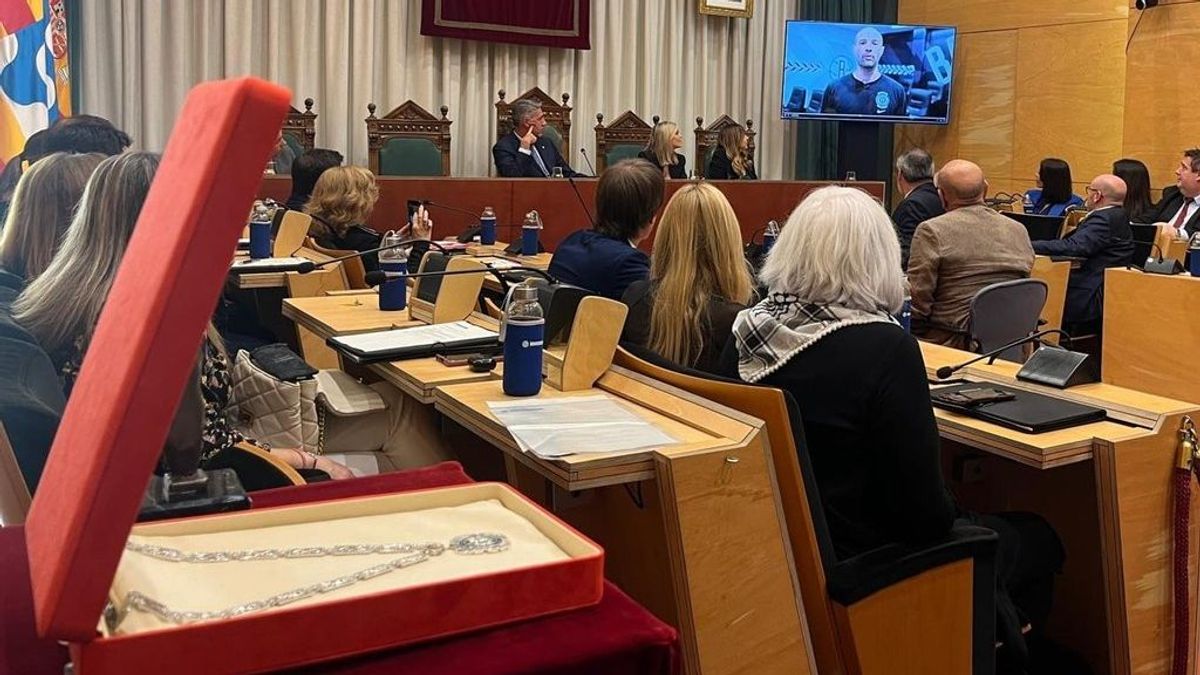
(543, 23)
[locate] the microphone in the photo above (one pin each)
(308, 265)
(439, 205)
(1163, 265)
(378, 277)
(946, 371)
(583, 151)
(582, 203)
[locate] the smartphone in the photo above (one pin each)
(452, 360)
(974, 397)
(413, 206)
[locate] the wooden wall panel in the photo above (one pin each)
(1069, 100)
(1160, 117)
(973, 16)
(988, 83)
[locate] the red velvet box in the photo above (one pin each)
(116, 421)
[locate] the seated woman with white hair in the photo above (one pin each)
(825, 333)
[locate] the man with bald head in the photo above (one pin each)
(956, 254)
(866, 90)
(1103, 240)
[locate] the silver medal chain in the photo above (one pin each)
(411, 554)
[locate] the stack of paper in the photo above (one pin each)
(585, 425)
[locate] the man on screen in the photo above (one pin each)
(866, 90)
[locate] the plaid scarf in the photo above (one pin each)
(781, 326)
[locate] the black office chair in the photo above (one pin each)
(1004, 312)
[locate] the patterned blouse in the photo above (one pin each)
(215, 383)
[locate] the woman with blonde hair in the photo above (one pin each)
(340, 204)
(665, 140)
(42, 206)
(698, 283)
(731, 159)
(60, 308)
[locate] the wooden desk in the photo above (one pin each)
(1151, 332)
(754, 201)
(692, 531)
(260, 280)
(331, 315)
(1106, 488)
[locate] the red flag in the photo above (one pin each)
(15, 15)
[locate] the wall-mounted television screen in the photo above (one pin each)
(868, 72)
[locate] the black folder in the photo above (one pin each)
(1026, 411)
(469, 345)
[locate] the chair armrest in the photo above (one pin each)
(860, 577)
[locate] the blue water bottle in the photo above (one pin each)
(487, 226)
(393, 293)
(260, 232)
(530, 232)
(1193, 255)
(769, 236)
(524, 329)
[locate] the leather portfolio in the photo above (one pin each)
(1027, 411)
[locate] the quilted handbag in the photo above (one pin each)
(271, 410)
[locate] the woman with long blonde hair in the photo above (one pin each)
(731, 159)
(665, 141)
(340, 204)
(42, 206)
(699, 281)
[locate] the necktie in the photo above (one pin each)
(537, 159)
(1182, 217)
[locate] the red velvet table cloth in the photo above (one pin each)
(616, 636)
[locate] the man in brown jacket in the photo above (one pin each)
(956, 254)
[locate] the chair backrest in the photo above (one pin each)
(300, 128)
(14, 494)
(293, 230)
(317, 283)
(707, 139)
(355, 272)
(1006, 311)
(31, 399)
(1143, 242)
(1056, 275)
(558, 118)
(408, 141)
(623, 138)
(804, 516)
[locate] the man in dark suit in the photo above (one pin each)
(1179, 207)
(914, 177)
(606, 260)
(524, 153)
(1104, 240)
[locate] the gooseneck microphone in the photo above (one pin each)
(583, 151)
(946, 371)
(582, 203)
(447, 207)
(378, 277)
(308, 265)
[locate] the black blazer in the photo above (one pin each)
(1168, 206)
(716, 323)
(1104, 240)
(599, 263)
(512, 163)
(677, 170)
(720, 167)
(919, 206)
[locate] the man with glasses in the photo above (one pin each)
(1103, 239)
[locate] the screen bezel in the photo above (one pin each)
(881, 119)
